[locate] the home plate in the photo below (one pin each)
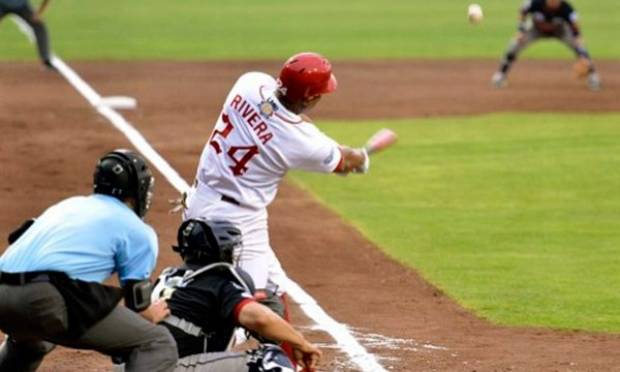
(119, 102)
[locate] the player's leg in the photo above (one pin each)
(23, 356)
(516, 46)
(28, 313)
(267, 358)
(143, 345)
(575, 44)
(214, 362)
(40, 33)
(253, 255)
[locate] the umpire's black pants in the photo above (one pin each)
(40, 31)
(34, 316)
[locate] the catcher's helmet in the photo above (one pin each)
(207, 242)
(305, 75)
(123, 174)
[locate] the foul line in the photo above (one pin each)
(339, 331)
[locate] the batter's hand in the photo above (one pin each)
(307, 356)
(364, 167)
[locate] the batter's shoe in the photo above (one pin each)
(594, 81)
(498, 80)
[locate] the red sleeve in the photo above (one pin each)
(240, 306)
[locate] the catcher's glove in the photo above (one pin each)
(581, 68)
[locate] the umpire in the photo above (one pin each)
(208, 298)
(550, 19)
(51, 275)
(23, 9)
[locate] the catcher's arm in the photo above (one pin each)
(260, 319)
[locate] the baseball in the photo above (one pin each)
(474, 13)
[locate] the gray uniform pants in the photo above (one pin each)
(39, 29)
(531, 34)
(35, 318)
(214, 362)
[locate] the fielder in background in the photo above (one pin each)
(51, 275)
(549, 19)
(23, 9)
(208, 297)
(260, 135)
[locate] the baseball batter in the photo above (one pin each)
(23, 9)
(260, 135)
(548, 19)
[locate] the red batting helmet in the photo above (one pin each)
(306, 75)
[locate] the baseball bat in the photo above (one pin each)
(380, 141)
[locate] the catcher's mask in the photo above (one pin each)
(124, 174)
(306, 75)
(207, 242)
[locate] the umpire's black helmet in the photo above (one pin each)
(207, 242)
(124, 174)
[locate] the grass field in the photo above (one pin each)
(272, 29)
(517, 216)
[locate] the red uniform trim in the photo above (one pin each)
(240, 306)
(262, 96)
(341, 162)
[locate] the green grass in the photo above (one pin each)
(273, 29)
(517, 216)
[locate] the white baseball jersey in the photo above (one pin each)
(257, 140)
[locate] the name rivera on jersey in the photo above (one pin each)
(252, 118)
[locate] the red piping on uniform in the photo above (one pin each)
(341, 162)
(262, 96)
(240, 306)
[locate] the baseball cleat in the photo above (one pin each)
(594, 81)
(498, 80)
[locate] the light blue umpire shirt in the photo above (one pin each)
(88, 238)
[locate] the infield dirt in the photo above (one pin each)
(51, 139)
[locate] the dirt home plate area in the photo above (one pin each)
(51, 139)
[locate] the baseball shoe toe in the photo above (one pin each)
(594, 81)
(498, 80)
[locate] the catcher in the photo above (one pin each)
(208, 298)
(549, 19)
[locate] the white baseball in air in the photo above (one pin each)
(474, 13)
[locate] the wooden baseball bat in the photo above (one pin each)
(381, 140)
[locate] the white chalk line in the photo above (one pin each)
(358, 354)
